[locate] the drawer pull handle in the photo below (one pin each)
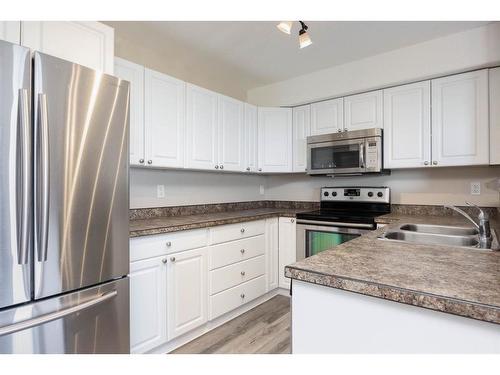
(172, 259)
(242, 251)
(242, 295)
(169, 244)
(242, 230)
(242, 273)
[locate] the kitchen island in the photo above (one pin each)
(374, 296)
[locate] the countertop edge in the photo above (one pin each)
(443, 304)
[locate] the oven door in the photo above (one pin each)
(346, 156)
(315, 237)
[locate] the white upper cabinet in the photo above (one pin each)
(494, 84)
(275, 139)
(251, 138)
(10, 31)
(460, 129)
(301, 130)
(407, 126)
(231, 134)
(83, 42)
(134, 73)
(363, 111)
(327, 117)
(164, 99)
(201, 128)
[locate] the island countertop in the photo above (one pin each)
(454, 280)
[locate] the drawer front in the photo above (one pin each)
(162, 244)
(231, 232)
(230, 299)
(236, 251)
(235, 274)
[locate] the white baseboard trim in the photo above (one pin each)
(207, 327)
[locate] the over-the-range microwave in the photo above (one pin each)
(353, 152)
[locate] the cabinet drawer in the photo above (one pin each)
(232, 298)
(235, 274)
(233, 232)
(236, 251)
(162, 244)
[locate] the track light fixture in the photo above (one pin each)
(304, 38)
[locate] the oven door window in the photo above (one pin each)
(335, 157)
(318, 241)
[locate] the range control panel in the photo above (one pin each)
(356, 194)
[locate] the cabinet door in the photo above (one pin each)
(287, 248)
(494, 85)
(275, 139)
(201, 137)
(134, 73)
(460, 130)
(10, 31)
(251, 138)
(231, 134)
(164, 99)
(187, 291)
(301, 130)
(83, 42)
(327, 117)
(363, 111)
(272, 249)
(407, 126)
(148, 304)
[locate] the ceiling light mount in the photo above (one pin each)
(304, 38)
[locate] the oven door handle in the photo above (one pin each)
(335, 224)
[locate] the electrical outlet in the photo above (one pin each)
(160, 191)
(261, 189)
(475, 188)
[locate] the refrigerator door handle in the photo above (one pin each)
(23, 177)
(46, 318)
(42, 178)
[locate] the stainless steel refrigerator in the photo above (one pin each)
(64, 239)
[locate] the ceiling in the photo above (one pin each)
(263, 55)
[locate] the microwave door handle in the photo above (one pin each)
(362, 155)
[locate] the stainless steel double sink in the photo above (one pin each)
(434, 235)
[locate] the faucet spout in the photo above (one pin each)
(485, 237)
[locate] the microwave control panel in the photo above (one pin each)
(373, 154)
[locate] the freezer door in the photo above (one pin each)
(81, 121)
(94, 320)
(15, 175)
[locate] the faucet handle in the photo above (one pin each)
(482, 215)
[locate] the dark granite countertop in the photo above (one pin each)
(166, 224)
(454, 280)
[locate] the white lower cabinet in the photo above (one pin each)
(272, 249)
(186, 291)
(287, 248)
(148, 304)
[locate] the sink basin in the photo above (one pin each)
(431, 238)
(440, 229)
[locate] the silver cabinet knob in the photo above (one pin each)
(172, 259)
(242, 251)
(345, 129)
(426, 162)
(242, 273)
(141, 161)
(248, 169)
(169, 243)
(164, 260)
(221, 166)
(260, 169)
(242, 230)
(339, 131)
(150, 161)
(434, 162)
(242, 295)
(216, 167)
(293, 220)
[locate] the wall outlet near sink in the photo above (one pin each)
(160, 191)
(475, 188)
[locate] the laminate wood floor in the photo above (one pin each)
(265, 329)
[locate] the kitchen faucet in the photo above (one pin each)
(483, 226)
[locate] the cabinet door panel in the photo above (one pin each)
(327, 117)
(272, 250)
(134, 73)
(494, 86)
(460, 129)
(275, 139)
(10, 31)
(201, 141)
(251, 138)
(148, 304)
(287, 248)
(187, 291)
(83, 42)
(164, 119)
(301, 130)
(231, 134)
(363, 111)
(407, 126)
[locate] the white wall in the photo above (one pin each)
(474, 48)
(433, 186)
(190, 187)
